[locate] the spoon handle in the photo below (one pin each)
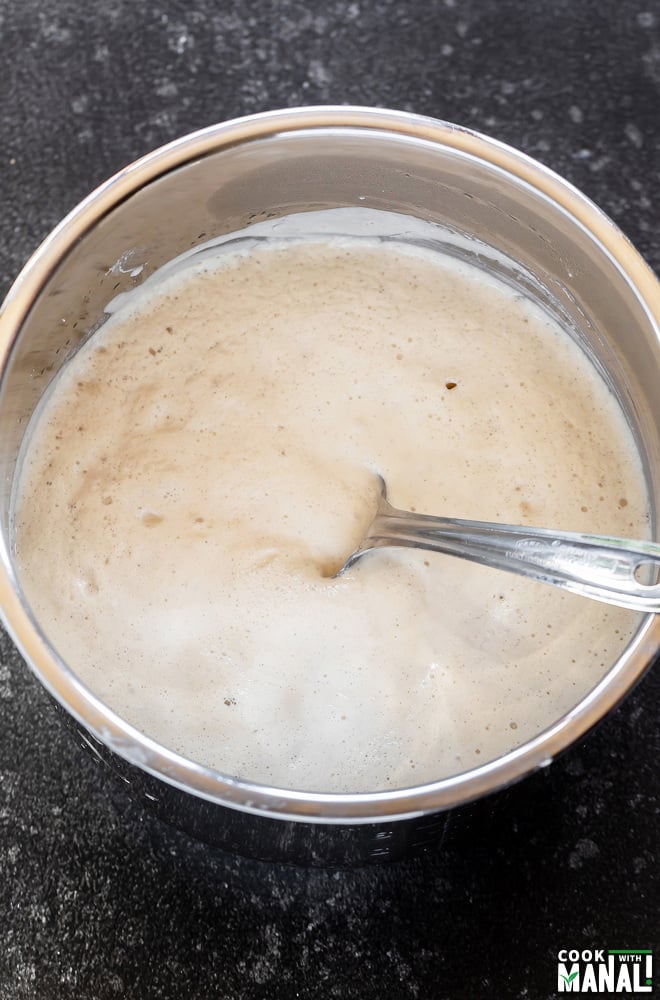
(612, 570)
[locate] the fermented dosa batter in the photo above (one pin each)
(210, 452)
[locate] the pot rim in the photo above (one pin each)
(127, 741)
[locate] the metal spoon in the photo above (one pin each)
(605, 569)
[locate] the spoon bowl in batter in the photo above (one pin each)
(596, 566)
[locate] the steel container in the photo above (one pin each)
(564, 251)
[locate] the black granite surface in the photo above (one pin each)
(98, 899)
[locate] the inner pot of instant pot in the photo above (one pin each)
(492, 207)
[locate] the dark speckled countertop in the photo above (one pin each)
(98, 899)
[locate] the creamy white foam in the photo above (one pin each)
(210, 453)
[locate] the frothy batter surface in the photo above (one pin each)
(210, 452)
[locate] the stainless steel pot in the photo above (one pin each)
(566, 252)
